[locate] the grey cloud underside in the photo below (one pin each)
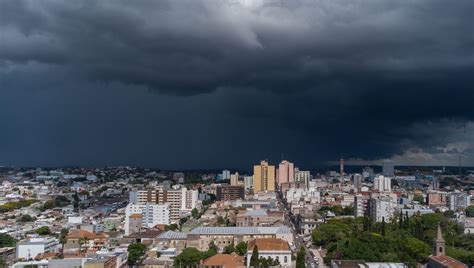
(357, 74)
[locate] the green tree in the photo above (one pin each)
(7, 241)
(63, 236)
(182, 221)
(26, 218)
(50, 204)
(171, 227)
(188, 257)
(61, 201)
(254, 260)
(195, 213)
(135, 252)
(330, 232)
(220, 220)
(383, 226)
(75, 204)
(470, 211)
(419, 198)
(349, 210)
(44, 230)
(241, 248)
(213, 248)
(229, 249)
(300, 257)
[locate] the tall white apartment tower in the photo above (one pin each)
(383, 184)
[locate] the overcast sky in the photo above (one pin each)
(215, 84)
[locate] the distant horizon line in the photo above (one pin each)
(220, 168)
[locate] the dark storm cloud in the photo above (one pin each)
(340, 77)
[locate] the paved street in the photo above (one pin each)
(311, 252)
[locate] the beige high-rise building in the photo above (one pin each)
(234, 179)
(263, 177)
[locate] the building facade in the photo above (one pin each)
(229, 193)
(152, 215)
(286, 172)
(388, 168)
(263, 177)
(383, 184)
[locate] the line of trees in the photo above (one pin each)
(404, 239)
(10, 206)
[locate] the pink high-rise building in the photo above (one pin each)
(286, 172)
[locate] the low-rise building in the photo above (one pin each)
(83, 241)
(224, 260)
(259, 217)
(31, 247)
(201, 237)
(274, 248)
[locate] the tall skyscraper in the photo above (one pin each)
(357, 182)
(286, 172)
(388, 168)
(263, 177)
(234, 179)
(226, 175)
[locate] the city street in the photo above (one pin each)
(313, 257)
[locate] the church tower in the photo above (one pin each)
(439, 244)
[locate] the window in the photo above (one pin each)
(285, 259)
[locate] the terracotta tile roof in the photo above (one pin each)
(447, 261)
(228, 261)
(268, 244)
(75, 234)
(136, 216)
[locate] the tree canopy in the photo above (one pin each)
(191, 257)
(409, 240)
(7, 241)
(135, 252)
(241, 248)
(44, 230)
(300, 256)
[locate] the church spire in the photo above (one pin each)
(439, 244)
(439, 237)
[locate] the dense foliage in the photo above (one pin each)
(241, 248)
(25, 218)
(470, 211)
(191, 257)
(195, 213)
(16, 205)
(135, 252)
(300, 257)
(171, 227)
(338, 210)
(44, 230)
(7, 241)
(407, 240)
